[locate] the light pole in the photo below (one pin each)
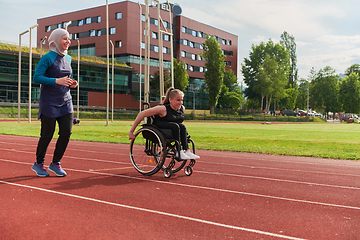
(107, 58)
(307, 111)
(41, 43)
(19, 74)
(67, 24)
(112, 82)
(78, 75)
(30, 63)
(171, 46)
(140, 57)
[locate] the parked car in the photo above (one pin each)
(318, 114)
(290, 113)
(302, 112)
(347, 117)
(311, 113)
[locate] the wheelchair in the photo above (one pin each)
(153, 149)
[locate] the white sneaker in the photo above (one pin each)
(191, 155)
(183, 155)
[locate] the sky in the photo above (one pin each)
(326, 32)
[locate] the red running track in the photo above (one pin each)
(229, 196)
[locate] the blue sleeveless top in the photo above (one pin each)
(55, 100)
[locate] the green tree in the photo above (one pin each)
(288, 41)
(353, 68)
(250, 67)
(214, 73)
(302, 91)
(155, 81)
(181, 77)
(272, 79)
(230, 94)
(324, 90)
(349, 93)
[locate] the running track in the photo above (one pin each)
(229, 196)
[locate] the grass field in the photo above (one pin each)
(325, 140)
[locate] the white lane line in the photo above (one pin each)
(86, 159)
(155, 212)
(224, 154)
(278, 180)
(219, 173)
(198, 161)
(205, 188)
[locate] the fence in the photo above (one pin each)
(9, 110)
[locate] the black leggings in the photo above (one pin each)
(47, 131)
(178, 130)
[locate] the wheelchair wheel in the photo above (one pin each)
(147, 151)
(188, 170)
(167, 172)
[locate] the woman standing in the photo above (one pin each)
(170, 115)
(55, 104)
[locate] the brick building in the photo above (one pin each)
(89, 28)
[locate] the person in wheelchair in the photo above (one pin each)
(169, 115)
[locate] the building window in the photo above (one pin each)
(118, 44)
(48, 29)
(183, 54)
(99, 33)
(75, 35)
(156, 22)
(143, 18)
(156, 49)
(185, 42)
(119, 15)
(166, 37)
(143, 45)
(193, 56)
(191, 68)
(154, 35)
(92, 33)
(201, 69)
(193, 33)
(99, 19)
(191, 44)
(228, 63)
(201, 46)
(59, 25)
(200, 34)
(112, 31)
(88, 20)
(199, 57)
(223, 41)
(164, 50)
(167, 24)
(80, 23)
(183, 29)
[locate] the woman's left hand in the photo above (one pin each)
(73, 84)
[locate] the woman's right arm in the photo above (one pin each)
(39, 76)
(161, 110)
